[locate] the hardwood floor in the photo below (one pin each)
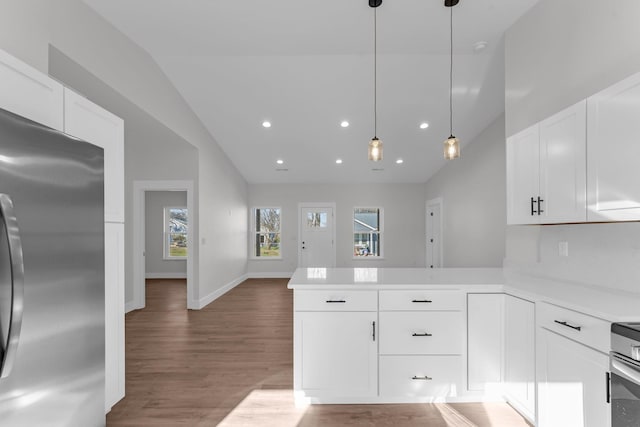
(230, 364)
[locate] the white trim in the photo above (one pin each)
(165, 275)
(269, 275)
(203, 302)
(139, 189)
(437, 201)
(334, 222)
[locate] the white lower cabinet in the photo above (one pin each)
(485, 321)
(421, 332)
(519, 355)
(572, 379)
(436, 377)
(336, 354)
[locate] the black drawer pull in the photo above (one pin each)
(577, 328)
(422, 300)
(335, 301)
(424, 378)
(426, 334)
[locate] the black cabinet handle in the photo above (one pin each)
(423, 377)
(426, 334)
(608, 379)
(422, 300)
(374, 330)
(540, 205)
(335, 301)
(577, 328)
(533, 211)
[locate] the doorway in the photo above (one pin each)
(140, 188)
(317, 235)
(434, 233)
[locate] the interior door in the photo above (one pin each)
(316, 246)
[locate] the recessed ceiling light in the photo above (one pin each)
(399, 161)
(266, 124)
(479, 46)
(424, 125)
(339, 161)
(279, 161)
(344, 124)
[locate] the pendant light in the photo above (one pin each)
(451, 145)
(375, 145)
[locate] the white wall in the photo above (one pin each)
(27, 28)
(404, 221)
(156, 266)
(473, 189)
(556, 54)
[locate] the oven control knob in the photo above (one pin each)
(635, 352)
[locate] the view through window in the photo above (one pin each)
(175, 228)
(266, 235)
(367, 234)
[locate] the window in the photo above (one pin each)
(175, 232)
(367, 232)
(266, 233)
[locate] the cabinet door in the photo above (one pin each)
(485, 341)
(523, 164)
(29, 93)
(114, 313)
(571, 383)
(519, 355)
(613, 130)
(85, 120)
(336, 354)
(563, 175)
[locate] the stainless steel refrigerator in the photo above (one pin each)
(51, 277)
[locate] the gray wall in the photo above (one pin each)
(28, 28)
(404, 221)
(557, 54)
(155, 264)
(473, 189)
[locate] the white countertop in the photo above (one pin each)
(608, 304)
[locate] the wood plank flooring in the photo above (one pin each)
(230, 364)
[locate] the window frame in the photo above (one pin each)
(253, 232)
(166, 251)
(380, 233)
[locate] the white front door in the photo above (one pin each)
(316, 244)
(434, 233)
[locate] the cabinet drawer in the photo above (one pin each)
(420, 376)
(421, 300)
(335, 300)
(585, 329)
(414, 332)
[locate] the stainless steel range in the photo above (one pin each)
(625, 375)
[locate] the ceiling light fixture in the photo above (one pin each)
(375, 145)
(279, 161)
(266, 124)
(344, 124)
(451, 145)
(399, 161)
(424, 125)
(338, 161)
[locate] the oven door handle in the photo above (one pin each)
(628, 369)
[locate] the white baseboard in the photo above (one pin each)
(203, 302)
(165, 275)
(270, 275)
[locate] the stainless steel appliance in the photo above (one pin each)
(625, 375)
(51, 277)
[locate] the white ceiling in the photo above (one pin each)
(307, 65)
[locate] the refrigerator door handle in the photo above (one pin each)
(17, 283)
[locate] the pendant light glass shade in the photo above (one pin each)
(451, 148)
(375, 149)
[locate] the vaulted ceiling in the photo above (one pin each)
(306, 66)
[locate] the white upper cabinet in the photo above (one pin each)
(94, 124)
(546, 170)
(613, 150)
(29, 93)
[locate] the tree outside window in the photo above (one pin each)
(266, 235)
(367, 232)
(176, 225)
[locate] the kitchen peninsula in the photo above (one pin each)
(374, 335)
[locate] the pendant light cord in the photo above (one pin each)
(451, 77)
(375, 76)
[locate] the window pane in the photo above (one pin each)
(269, 245)
(177, 244)
(267, 232)
(177, 225)
(316, 219)
(366, 219)
(268, 220)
